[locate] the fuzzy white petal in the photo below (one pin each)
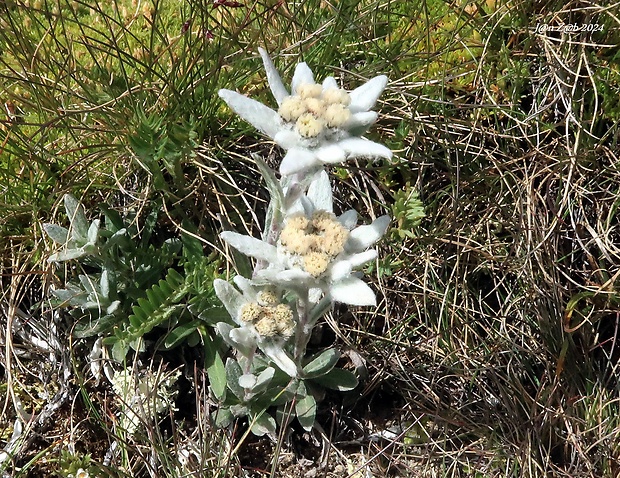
(365, 236)
(247, 380)
(340, 270)
(278, 89)
(287, 138)
(320, 192)
(295, 189)
(296, 160)
(329, 82)
(295, 208)
(343, 268)
(245, 340)
(229, 296)
(280, 357)
(303, 75)
(286, 278)
(251, 246)
(365, 97)
(353, 291)
(359, 123)
(314, 295)
(246, 287)
(348, 219)
(257, 114)
(225, 330)
(307, 205)
(361, 258)
(361, 148)
(331, 154)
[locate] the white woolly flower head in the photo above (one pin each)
(315, 123)
(313, 243)
(317, 114)
(264, 320)
(269, 319)
(259, 310)
(317, 249)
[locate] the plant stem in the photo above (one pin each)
(301, 334)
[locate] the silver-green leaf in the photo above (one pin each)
(77, 217)
(58, 234)
(264, 424)
(305, 409)
(322, 364)
(338, 379)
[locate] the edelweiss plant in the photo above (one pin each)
(315, 123)
(142, 399)
(307, 257)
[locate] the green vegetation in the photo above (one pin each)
(493, 351)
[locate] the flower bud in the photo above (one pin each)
(315, 106)
(308, 126)
(336, 96)
(292, 108)
(309, 90)
(336, 115)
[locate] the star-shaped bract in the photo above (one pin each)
(316, 124)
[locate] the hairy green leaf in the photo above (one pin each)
(233, 372)
(77, 217)
(322, 364)
(93, 232)
(263, 424)
(58, 234)
(67, 255)
(222, 417)
(305, 409)
(215, 367)
(94, 327)
(338, 379)
(263, 380)
(119, 350)
(217, 377)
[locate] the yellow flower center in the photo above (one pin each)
(316, 241)
(312, 109)
(270, 319)
(308, 126)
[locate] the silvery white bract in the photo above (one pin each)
(324, 258)
(263, 321)
(316, 124)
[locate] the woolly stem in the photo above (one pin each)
(302, 332)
